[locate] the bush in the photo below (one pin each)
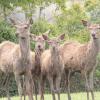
(6, 32)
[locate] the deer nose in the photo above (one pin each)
(93, 35)
(39, 46)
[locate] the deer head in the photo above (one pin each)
(22, 28)
(40, 43)
(54, 43)
(93, 28)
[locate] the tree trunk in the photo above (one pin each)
(4, 13)
(40, 12)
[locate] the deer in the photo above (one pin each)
(52, 66)
(81, 58)
(6, 60)
(39, 48)
(22, 58)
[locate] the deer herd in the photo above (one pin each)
(35, 67)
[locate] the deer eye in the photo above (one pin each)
(23, 38)
(25, 27)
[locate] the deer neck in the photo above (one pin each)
(93, 47)
(55, 54)
(38, 52)
(37, 56)
(25, 49)
(37, 61)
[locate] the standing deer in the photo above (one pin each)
(82, 57)
(22, 58)
(39, 48)
(52, 66)
(6, 59)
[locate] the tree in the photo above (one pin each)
(93, 8)
(5, 5)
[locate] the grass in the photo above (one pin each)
(75, 96)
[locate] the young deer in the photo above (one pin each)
(52, 66)
(39, 48)
(82, 57)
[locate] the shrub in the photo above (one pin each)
(6, 32)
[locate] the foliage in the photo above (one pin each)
(39, 27)
(70, 23)
(6, 3)
(91, 4)
(6, 32)
(27, 5)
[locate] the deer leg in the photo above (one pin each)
(68, 84)
(24, 87)
(42, 87)
(29, 85)
(87, 86)
(38, 88)
(18, 81)
(91, 84)
(24, 90)
(7, 86)
(58, 80)
(52, 87)
(8, 96)
(36, 91)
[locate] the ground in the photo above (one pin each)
(75, 96)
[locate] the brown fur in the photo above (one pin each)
(36, 71)
(6, 62)
(52, 65)
(82, 58)
(78, 56)
(9, 54)
(52, 68)
(22, 61)
(6, 56)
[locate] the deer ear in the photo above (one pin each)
(61, 37)
(85, 23)
(45, 37)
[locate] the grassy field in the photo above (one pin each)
(75, 96)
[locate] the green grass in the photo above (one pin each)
(75, 96)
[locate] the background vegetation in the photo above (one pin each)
(69, 22)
